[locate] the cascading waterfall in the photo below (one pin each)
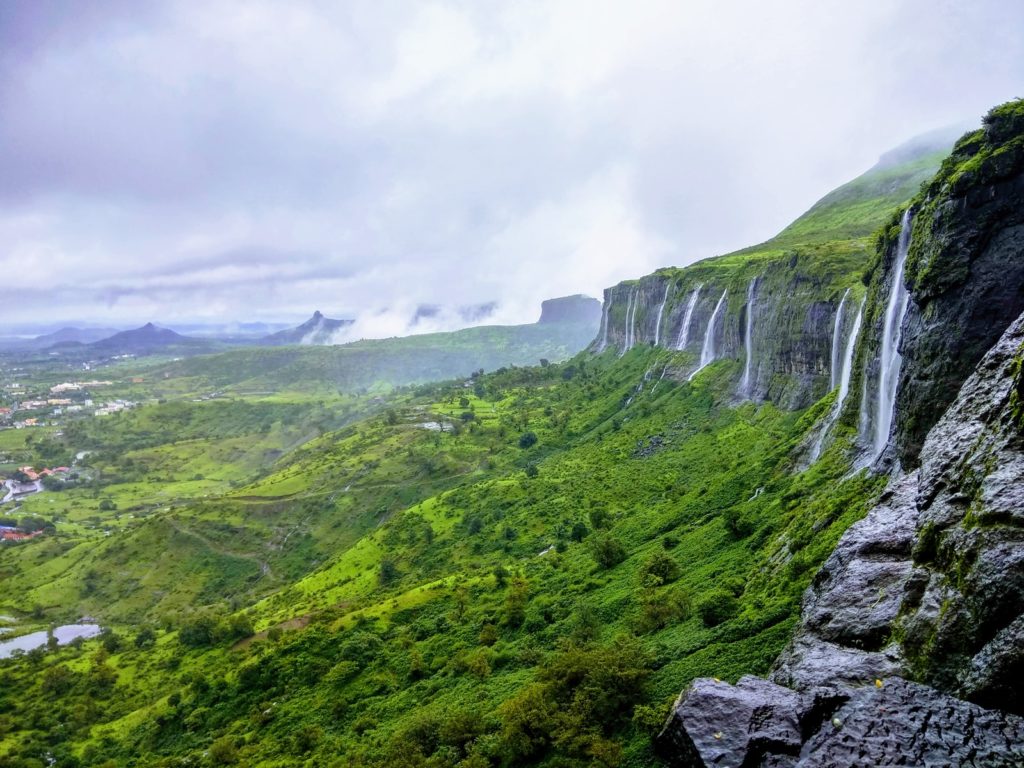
(748, 338)
(627, 342)
(604, 323)
(684, 331)
(661, 310)
(836, 339)
(892, 332)
(707, 352)
(845, 374)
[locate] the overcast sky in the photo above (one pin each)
(256, 161)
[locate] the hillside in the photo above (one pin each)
(392, 362)
(523, 567)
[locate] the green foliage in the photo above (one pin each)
(716, 607)
(606, 550)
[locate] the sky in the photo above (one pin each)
(250, 161)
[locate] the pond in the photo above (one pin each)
(64, 635)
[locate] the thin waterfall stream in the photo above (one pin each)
(684, 330)
(661, 311)
(707, 352)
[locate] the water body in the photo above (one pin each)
(845, 374)
(748, 338)
(707, 352)
(684, 331)
(892, 332)
(661, 311)
(64, 635)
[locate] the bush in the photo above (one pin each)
(659, 569)
(527, 440)
(717, 606)
(607, 551)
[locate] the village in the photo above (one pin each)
(67, 398)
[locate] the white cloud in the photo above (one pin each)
(262, 159)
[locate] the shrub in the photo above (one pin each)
(717, 606)
(527, 440)
(659, 569)
(606, 550)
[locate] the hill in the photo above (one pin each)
(317, 330)
(569, 326)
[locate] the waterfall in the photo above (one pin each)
(707, 352)
(836, 328)
(630, 314)
(661, 310)
(892, 331)
(748, 338)
(604, 323)
(684, 331)
(845, 373)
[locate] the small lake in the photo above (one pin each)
(64, 635)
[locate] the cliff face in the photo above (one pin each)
(578, 309)
(919, 611)
(965, 280)
(791, 297)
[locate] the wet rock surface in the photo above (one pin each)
(966, 275)
(757, 724)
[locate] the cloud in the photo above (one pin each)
(256, 160)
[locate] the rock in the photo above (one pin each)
(714, 723)
(849, 609)
(904, 723)
(756, 724)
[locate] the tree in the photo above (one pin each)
(659, 569)
(532, 470)
(145, 638)
(606, 550)
(717, 606)
(527, 440)
(223, 751)
(579, 531)
(387, 572)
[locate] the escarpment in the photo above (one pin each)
(910, 644)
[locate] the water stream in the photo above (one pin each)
(684, 331)
(63, 634)
(748, 339)
(661, 311)
(630, 314)
(845, 374)
(707, 352)
(836, 342)
(892, 331)
(604, 323)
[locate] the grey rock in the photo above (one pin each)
(758, 724)
(715, 723)
(904, 723)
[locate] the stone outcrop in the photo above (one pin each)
(758, 724)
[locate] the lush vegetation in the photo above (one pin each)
(520, 567)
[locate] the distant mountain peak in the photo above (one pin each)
(319, 329)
